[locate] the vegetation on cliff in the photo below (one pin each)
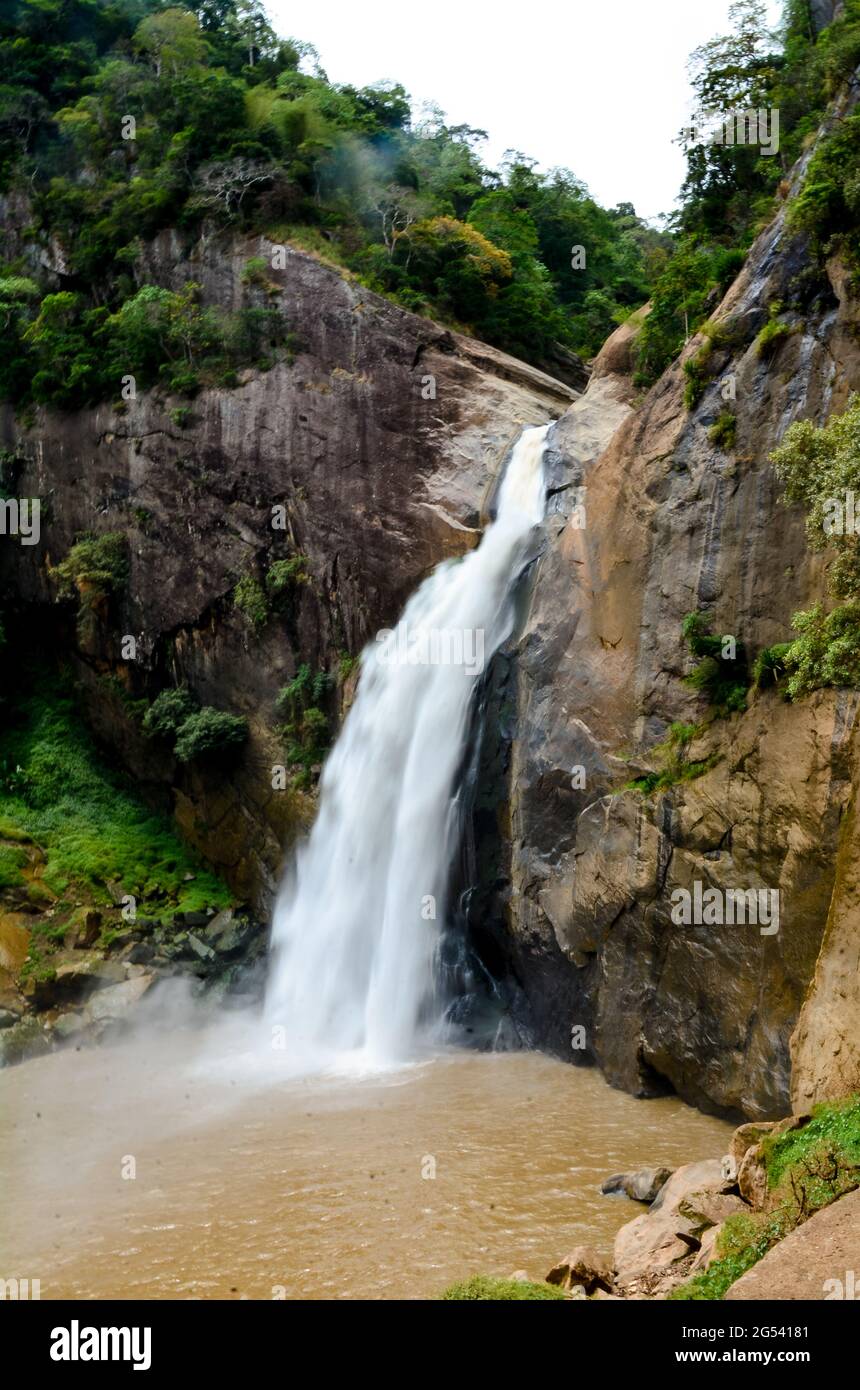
(97, 835)
(731, 190)
(119, 118)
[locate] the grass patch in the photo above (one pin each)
(772, 334)
(676, 767)
(12, 861)
(88, 819)
(484, 1288)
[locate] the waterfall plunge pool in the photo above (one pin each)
(250, 1186)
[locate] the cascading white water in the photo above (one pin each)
(357, 920)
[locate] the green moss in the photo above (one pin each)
(741, 1244)
(12, 861)
(88, 820)
(482, 1287)
(10, 831)
(833, 1135)
(676, 767)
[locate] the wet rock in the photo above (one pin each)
(642, 1186)
(8, 1018)
(379, 484)
(68, 1025)
(675, 524)
(228, 935)
(26, 1038)
(141, 953)
(114, 1003)
(200, 948)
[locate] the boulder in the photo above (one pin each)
(650, 1243)
(819, 1260)
(85, 928)
(664, 1235)
(707, 1250)
(706, 1209)
(704, 1176)
(642, 1186)
(752, 1178)
(584, 1268)
(109, 1005)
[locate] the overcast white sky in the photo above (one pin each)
(598, 86)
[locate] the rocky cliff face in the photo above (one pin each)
(673, 524)
(380, 442)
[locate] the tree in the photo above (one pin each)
(171, 40)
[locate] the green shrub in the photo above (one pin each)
(210, 734)
(168, 712)
(306, 727)
(482, 1287)
(284, 577)
(819, 467)
(723, 430)
(100, 562)
(828, 205)
(723, 679)
(249, 597)
(827, 651)
(770, 665)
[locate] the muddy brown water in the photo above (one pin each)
(175, 1167)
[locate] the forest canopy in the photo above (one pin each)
(119, 118)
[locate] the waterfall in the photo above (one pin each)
(357, 921)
